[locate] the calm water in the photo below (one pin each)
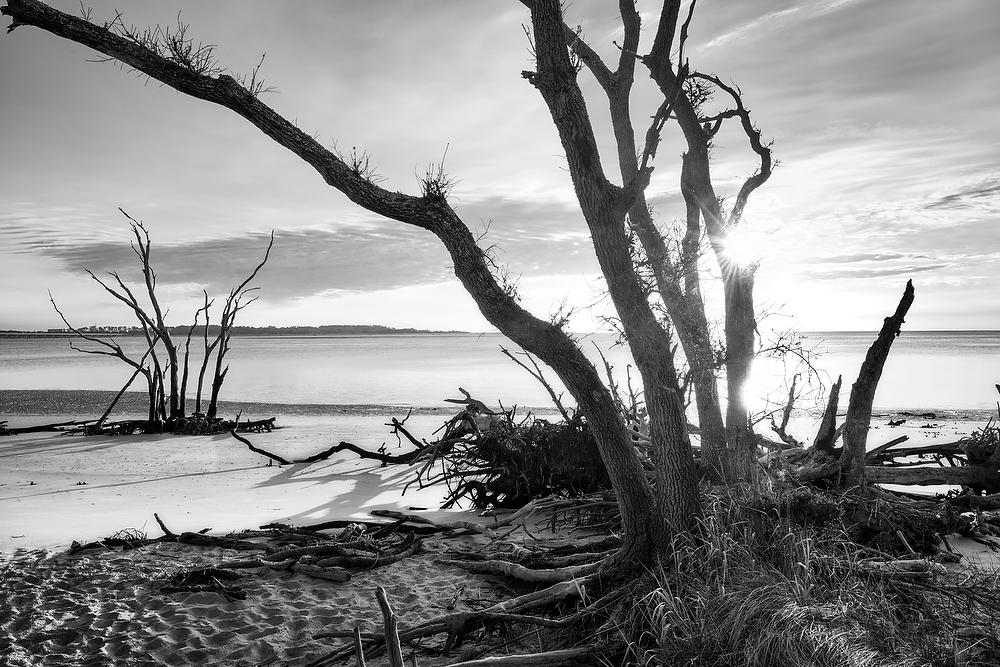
(955, 370)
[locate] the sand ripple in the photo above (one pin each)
(104, 609)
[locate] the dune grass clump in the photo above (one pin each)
(762, 587)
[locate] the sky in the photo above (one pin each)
(883, 115)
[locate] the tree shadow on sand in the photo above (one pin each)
(370, 481)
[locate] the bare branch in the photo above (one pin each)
(537, 374)
(763, 151)
(113, 348)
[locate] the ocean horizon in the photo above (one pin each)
(925, 370)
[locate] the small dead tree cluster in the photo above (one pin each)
(165, 364)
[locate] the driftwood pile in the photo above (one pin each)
(333, 551)
(499, 462)
(972, 462)
(573, 598)
(490, 459)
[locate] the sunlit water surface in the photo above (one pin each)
(939, 370)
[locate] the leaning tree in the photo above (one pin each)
(635, 255)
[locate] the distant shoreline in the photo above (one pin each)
(329, 331)
(354, 331)
(86, 403)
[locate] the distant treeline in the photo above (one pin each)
(325, 330)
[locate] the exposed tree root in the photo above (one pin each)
(565, 657)
(521, 572)
(443, 525)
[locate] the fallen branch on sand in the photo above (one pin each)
(193, 425)
(43, 428)
(280, 460)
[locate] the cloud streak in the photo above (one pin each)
(529, 238)
(859, 274)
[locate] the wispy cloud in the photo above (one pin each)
(867, 257)
(857, 274)
(985, 194)
(302, 263)
(529, 238)
(751, 27)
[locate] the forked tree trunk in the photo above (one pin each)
(680, 292)
(604, 208)
(737, 462)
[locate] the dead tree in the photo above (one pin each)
(859, 409)
(826, 435)
(850, 463)
(235, 302)
(167, 397)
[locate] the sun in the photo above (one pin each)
(745, 247)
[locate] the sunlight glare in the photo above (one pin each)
(744, 246)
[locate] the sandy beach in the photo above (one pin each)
(58, 488)
(102, 607)
(105, 608)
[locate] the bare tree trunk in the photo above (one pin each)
(151, 392)
(187, 357)
(692, 326)
(108, 347)
(826, 436)
(219, 374)
(142, 249)
(182, 399)
(235, 302)
(979, 477)
(859, 410)
(161, 398)
(139, 369)
(205, 360)
(217, 380)
(740, 463)
(111, 406)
